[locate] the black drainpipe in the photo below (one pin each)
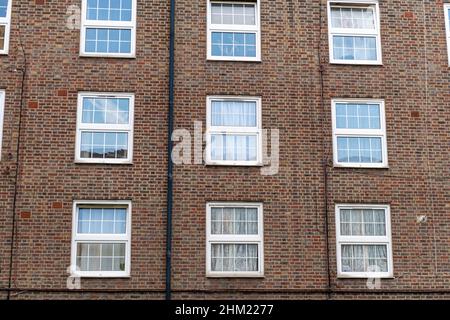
(325, 157)
(169, 153)
(23, 70)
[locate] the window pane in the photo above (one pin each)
(102, 220)
(354, 48)
(358, 116)
(109, 10)
(101, 256)
(103, 40)
(364, 258)
(237, 220)
(233, 147)
(363, 222)
(235, 14)
(233, 113)
(234, 257)
(106, 110)
(3, 8)
(2, 37)
(233, 44)
(354, 18)
(359, 150)
(104, 145)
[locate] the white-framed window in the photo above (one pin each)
(447, 28)
(104, 128)
(5, 25)
(108, 28)
(2, 111)
(234, 245)
(359, 133)
(363, 240)
(234, 30)
(233, 131)
(101, 236)
(354, 32)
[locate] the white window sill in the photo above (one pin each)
(361, 165)
(78, 161)
(100, 275)
(234, 275)
(356, 62)
(107, 55)
(240, 59)
(234, 164)
(365, 276)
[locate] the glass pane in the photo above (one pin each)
(101, 256)
(109, 10)
(233, 113)
(235, 14)
(102, 220)
(362, 222)
(3, 8)
(354, 18)
(104, 40)
(358, 116)
(377, 258)
(354, 48)
(105, 111)
(237, 220)
(234, 257)
(234, 147)
(2, 37)
(233, 44)
(104, 145)
(359, 150)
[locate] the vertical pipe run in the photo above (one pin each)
(325, 158)
(169, 153)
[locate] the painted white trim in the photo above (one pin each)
(105, 128)
(382, 240)
(101, 238)
(381, 133)
(257, 131)
(447, 28)
(7, 23)
(376, 33)
(235, 239)
(85, 23)
(234, 28)
(2, 112)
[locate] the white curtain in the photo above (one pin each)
(234, 257)
(363, 258)
(233, 147)
(233, 113)
(367, 222)
(238, 221)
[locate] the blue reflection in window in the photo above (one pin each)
(233, 44)
(103, 40)
(359, 150)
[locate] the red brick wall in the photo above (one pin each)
(413, 81)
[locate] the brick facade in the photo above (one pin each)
(413, 81)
